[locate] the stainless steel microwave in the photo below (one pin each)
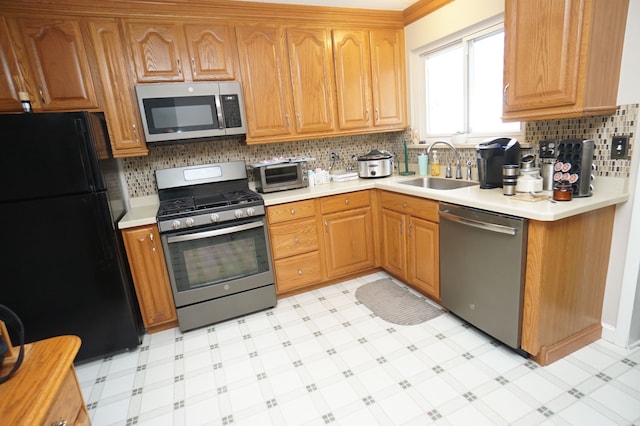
(180, 111)
(281, 176)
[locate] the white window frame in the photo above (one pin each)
(419, 83)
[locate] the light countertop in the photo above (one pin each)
(607, 192)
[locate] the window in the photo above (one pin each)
(463, 86)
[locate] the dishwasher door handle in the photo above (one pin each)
(493, 227)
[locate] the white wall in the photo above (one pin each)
(619, 308)
(623, 280)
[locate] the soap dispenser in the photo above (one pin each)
(435, 164)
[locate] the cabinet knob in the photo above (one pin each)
(41, 92)
(404, 205)
(61, 422)
(293, 211)
(296, 240)
(346, 201)
(299, 271)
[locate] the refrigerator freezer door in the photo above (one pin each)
(48, 155)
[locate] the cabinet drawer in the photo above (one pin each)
(290, 211)
(298, 271)
(291, 238)
(419, 207)
(350, 200)
(68, 401)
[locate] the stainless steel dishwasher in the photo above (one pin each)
(482, 267)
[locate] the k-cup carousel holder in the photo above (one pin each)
(574, 164)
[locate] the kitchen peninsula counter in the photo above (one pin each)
(607, 192)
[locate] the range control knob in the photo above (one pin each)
(251, 211)
(175, 224)
(238, 213)
(214, 217)
(189, 222)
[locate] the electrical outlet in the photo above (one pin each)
(333, 155)
(619, 147)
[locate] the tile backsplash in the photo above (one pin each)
(140, 171)
(140, 176)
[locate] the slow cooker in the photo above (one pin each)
(375, 164)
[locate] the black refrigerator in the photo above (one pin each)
(63, 266)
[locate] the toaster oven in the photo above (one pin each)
(280, 176)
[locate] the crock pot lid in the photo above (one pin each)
(375, 155)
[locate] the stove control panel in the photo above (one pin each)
(195, 220)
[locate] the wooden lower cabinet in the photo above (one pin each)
(410, 241)
(347, 233)
(566, 274)
(150, 277)
(294, 245)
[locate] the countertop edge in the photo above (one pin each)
(612, 191)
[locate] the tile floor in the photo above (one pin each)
(321, 358)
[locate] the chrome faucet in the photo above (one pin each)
(455, 151)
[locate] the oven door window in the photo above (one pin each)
(181, 114)
(215, 256)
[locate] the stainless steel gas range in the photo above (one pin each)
(215, 240)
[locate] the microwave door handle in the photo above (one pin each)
(221, 124)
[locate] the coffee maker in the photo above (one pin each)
(492, 154)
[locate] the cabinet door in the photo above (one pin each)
(156, 51)
(150, 277)
(393, 243)
(121, 112)
(353, 82)
(311, 64)
(59, 62)
(424, 256)
(542, 53)
(265, 75)
(388, 77)
(9, 72)
(209, 50)
(348, 241)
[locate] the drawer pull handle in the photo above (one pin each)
(193, 66)
(410, 226)
(299, 271)
(293, 211)
(296, 240)
(61, 422)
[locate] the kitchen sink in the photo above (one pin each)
(438, 183)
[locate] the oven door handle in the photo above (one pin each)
(215, 233)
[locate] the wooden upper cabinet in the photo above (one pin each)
(10, 74)
(312, 80)
(265, 80)
(210, 51)
(388, 77)
(562, 58)
(176, 51)
(353, 78)
(156, 51)
(121, 112)
(370, 78)
(58, 63)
